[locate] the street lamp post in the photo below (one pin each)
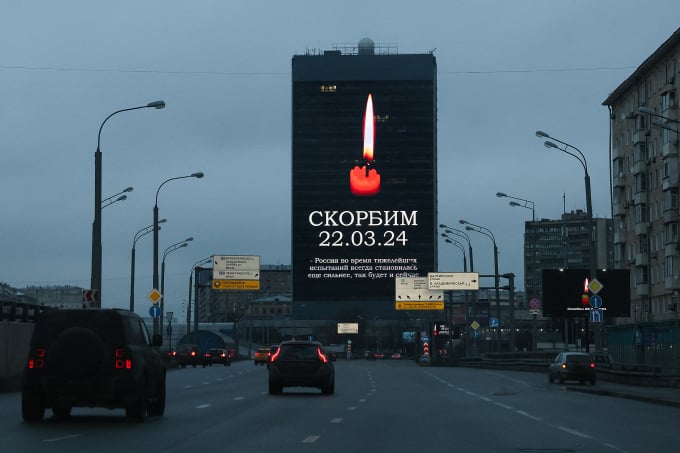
(110, 200)
(155, 227)
(488, 233)
(138, 235)
(464, 235)
(528, 204)
(96, 270)
(191, 277)
(589, 210)
(170, 249)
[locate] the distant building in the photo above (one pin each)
(230, 305)
(563, 243)
(62, 297)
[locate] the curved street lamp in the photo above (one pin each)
(191, 276)
(96, 272)
(488, 233)
(170, 249)
(155, 223)
(138, 235)
(528, 204)
(589, 210)
(110, 200)
(464, 235)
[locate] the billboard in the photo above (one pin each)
(566, 292)
(363, 186)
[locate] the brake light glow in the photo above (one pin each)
(592, 365)
(322, 356)
(121, 362)
(37, 359)
(276, 355)
(193, 353)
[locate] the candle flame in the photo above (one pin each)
(369, 130)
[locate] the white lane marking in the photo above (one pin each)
(219, 379)
(239, 398)
(203, 406)
(470, 393)
(352, 408)
(57, 439)
(206, 383)
(533, 417)
(336, 420)
(504, 406)
(188, 386)
(572, 431)
(310, 439)
(614, 447)
(484, 398)
(362, 400)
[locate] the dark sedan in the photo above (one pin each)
(572, 366)
(301, 364)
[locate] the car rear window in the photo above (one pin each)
(298, 352)
(578, 359)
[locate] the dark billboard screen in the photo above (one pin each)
(364, 187)
(565, 292)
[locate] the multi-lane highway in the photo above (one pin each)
(383, 406)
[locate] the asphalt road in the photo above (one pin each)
(383, 406)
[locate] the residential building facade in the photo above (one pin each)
(645, 168)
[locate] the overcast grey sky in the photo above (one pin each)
(506, 68)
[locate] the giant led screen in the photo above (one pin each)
(364, 187)
(566, 293)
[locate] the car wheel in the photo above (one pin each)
(592, 381)
(326, 388)
(137, 410)
(274, 388)
(551, 379)
(32, 411)
(157, 406)
(61, 412)
(560, 379)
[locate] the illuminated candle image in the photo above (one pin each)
(363, 180)
(585, 298)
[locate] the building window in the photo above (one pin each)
(671, 233)
(670, 199)
(641, 213)
(641, 275)
(668, 101)
(669, 266)
(640, 182)
(328, 88)
(640, 152)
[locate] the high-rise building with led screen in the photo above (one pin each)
(364, 180)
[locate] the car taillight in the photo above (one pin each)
(121, 361)
(193, 353)
(223, 355)
(564, 365)
(322, 356)
(207, 355)
(275, 356)
(592, 365)
(37, 359)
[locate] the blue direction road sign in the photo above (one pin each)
(595, 301)
(155, 311)
(493, 322)
(596, 315)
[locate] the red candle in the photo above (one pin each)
(365, 181)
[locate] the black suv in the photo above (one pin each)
(301, 364)
(93, 358)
